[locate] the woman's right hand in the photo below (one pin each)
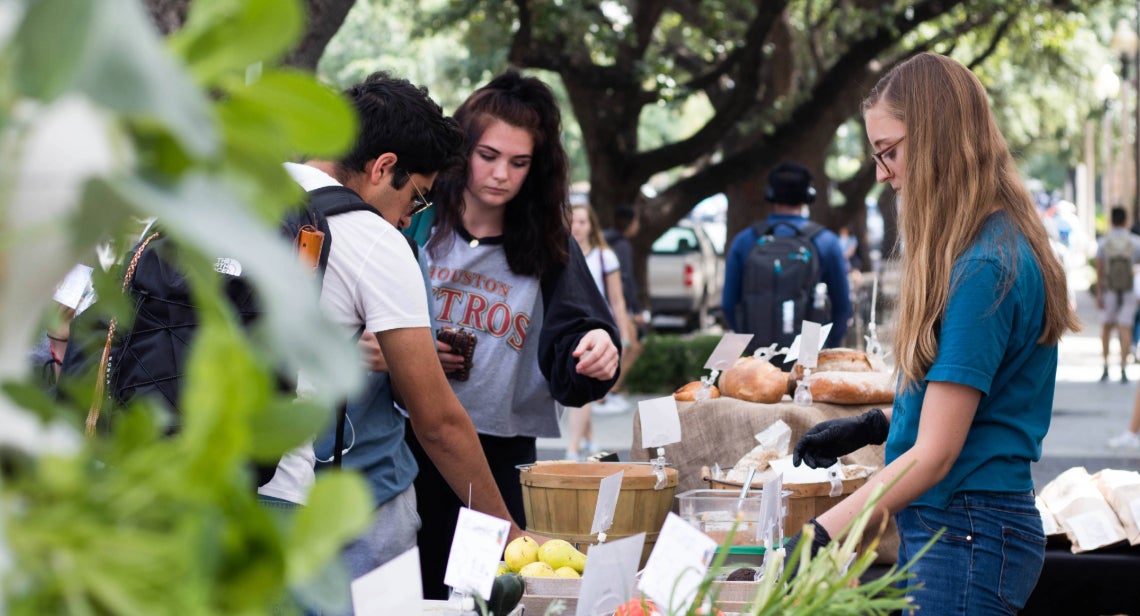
(821, 446)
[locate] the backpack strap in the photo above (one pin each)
(809, 228)
(329, 201)
(101, 376)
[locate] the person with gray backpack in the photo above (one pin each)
(786, 269)
(1116, 256)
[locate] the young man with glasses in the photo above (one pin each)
(789, 190)
(373, 283)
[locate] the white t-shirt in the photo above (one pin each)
(601, 263)
(372, 281)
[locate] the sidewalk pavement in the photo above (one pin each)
(1086, 412)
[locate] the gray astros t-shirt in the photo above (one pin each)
(473, 288)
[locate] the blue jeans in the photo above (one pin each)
(987, 561)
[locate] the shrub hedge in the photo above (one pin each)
(669, 361)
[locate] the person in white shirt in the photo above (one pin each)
(373, 283)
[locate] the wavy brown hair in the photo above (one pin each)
(597, 240)
(959, 171)
(536, 229)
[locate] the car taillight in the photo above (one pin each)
(688, 275)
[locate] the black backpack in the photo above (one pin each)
(778, 285)
(150, 358)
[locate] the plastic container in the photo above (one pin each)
(716, 512)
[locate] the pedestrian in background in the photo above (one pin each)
(1117, 254)
(604, 268)
(627, 224)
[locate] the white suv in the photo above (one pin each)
(686, 272)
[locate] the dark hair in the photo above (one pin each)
(624, 217)
(1119, 216)
(396, 116)
(536, 232)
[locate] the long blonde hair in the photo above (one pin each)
(958, 171)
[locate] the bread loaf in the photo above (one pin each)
(837, 360)
(687, 393)
(852, 387)
(755, 380)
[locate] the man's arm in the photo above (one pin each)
(441, 424)
(733, 270)
(834, 274)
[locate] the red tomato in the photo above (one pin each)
(637, 607)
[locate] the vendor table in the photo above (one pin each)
(721, 430)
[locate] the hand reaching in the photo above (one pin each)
(821, 446)
(597, 356)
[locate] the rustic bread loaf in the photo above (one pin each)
(852, 387)
(755, 380)
(837, 360)
(687, 392)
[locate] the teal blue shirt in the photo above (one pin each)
(988, 340)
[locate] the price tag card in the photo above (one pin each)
(810, 343)
(611, 572)
(771, 524)
(677, 564)
(608, 491)
(727, 351)
(475, 550)
(660, 423)
(795, 350)
(391, 588)
(75, 290)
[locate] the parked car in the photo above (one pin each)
(686, 272)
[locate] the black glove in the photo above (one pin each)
(822, 445)
(822, 538)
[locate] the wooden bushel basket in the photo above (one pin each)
(560, 498)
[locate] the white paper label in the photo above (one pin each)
(608, 491)
(809, 344)
(770, 530)
(660, 423)
(75, 290)
(610, 575)
(475, 550)
(391, 588)
(727, 351)
(1093, 529)
(679, 561)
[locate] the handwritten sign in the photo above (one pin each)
(679, 561)
(475, 550)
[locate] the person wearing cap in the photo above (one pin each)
(790, 190)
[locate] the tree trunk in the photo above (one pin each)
(168, 15)
(325, 18)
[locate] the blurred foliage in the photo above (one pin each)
(104, 125)
(652, 75)
(669, 361)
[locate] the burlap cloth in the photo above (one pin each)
(721, 431)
